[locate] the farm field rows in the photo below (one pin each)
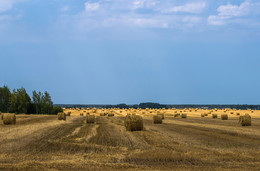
(43, 142)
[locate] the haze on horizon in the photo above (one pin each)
(132, 51)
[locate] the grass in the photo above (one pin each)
(44, 143)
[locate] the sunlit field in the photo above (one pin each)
(198, 141)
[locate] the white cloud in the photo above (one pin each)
(234, 10)
(187, 8)
(124, 14)
(89, 7)
(228, 12)
(144, 4)
(217, 20)
(65, 8)
(6, 5)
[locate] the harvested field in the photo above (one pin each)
(40, 142)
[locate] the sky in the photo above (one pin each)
(133, 51)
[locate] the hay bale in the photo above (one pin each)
(231, 112)
(245, 120)
(9, 119)
(157, 119)
(134, 122)
(176, 115)
(68, 113)
(161, 114)
(102, 114)
(61, 116)
(202, 115)
(184, 115)
(224, 117)
(90, 119)
(238, 113)
(214, 116)
(111, 114)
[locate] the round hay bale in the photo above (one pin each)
(102, 114)
(232, 113)
(134, 122)
(61, 116)
(9, 119)
(176, 115)
(81, 114)
(111, 114)
(252, 111)
(184, 115)
(214, 116)
(245, 120)
(202, 115)
(157, 119)
(224, 117)
(90, 119)
(68, 113)
(238, 113)
(162, 115)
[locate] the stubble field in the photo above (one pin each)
(42, 142)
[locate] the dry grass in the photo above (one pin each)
(39, 142)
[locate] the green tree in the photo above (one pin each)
(48, 104)
(23, 101)
(37, 101)
(14, 102)
(5, 96)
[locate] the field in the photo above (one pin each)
(42, 142)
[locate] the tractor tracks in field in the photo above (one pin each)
(203, 137)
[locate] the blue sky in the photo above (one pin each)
(132, 51)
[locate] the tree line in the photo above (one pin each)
(18, 101)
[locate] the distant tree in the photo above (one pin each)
(14, 102)
(37, 101)
(5, 96)
(121, 106)
(56, 110)
(151, 105)
(23, 101)
(48, 104)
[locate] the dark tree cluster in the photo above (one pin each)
(18, 101)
